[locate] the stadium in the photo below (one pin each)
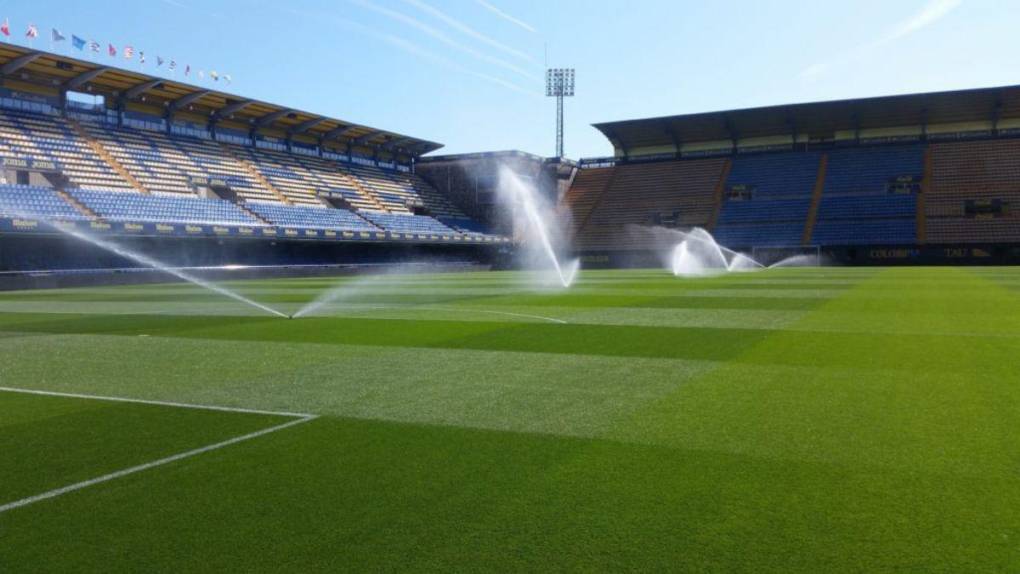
(240, 336)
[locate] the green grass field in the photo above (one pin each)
(796, 420)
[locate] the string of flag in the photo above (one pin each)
(92, 47)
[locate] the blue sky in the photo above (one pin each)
(469, 73)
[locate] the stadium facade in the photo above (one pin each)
(917, 178)
(160, 163)
(209, 178)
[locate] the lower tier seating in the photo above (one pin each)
(36, 202)
(408, 223)
(309, 217)
(177, 208)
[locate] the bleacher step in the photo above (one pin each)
(816, 200)
(254, 173)
(105, 155)
(921, 204)
(717, 195)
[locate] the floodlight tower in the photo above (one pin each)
(559, 84)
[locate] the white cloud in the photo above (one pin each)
(929, 14)
(506, 16)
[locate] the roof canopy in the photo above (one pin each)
(55, 71)
(817, 119)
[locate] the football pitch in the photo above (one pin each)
(790, 420)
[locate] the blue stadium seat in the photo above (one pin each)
(35, 202)
(177, 208)
(310, 217)
(408, 223)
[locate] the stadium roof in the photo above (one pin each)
(65, 73)
(817, 119)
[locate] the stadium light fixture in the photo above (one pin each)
(559, 84)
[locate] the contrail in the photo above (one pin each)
(465, 29)
(443, 37)
(507, 17)
(930, 13)
(416, 50)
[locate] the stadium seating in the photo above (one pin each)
(584, 194)
(139, 174)
(779, 186)
(464, 225)
(979, 172)
(130, 206)
(37, 202)
(392, 194)
(637, 193)
(858, 207)
(164, 164)
(298, 178)
(309, 217)
(436, 203)
(407, 223)
(35, 137)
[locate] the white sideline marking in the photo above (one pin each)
(448, 309)
(173, 458)
(508, 314)
(148, 402)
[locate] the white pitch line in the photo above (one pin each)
(449, 309)
(150, 402)
(173, 458)
(507, 313)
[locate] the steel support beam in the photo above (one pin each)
(305, 126)
(187, 100)
(84, 78)
(19, 63)
(233, 108)
(272, 117)
(135, 91)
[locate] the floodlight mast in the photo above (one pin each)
(559, 84)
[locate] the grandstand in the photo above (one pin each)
(913, 177)
(147, 156)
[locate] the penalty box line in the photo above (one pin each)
(151, 402)
(301, 418)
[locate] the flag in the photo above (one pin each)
(129, 52)
(141, 57)
(159, 61)
(6, 28)
(78, 43)
(201, 74)
(94, 46)
(227, 78)
(214, 76)
(111, 50)
(56, 36)
(173, 65)
(32, 31)
(187, 69)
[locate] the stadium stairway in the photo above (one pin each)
(254, 173)
(105, 155)
(717, 195)
(596, 193)
(254, 215)
(816, 200)
(81, 207)
(921, 217)
(366, 192)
